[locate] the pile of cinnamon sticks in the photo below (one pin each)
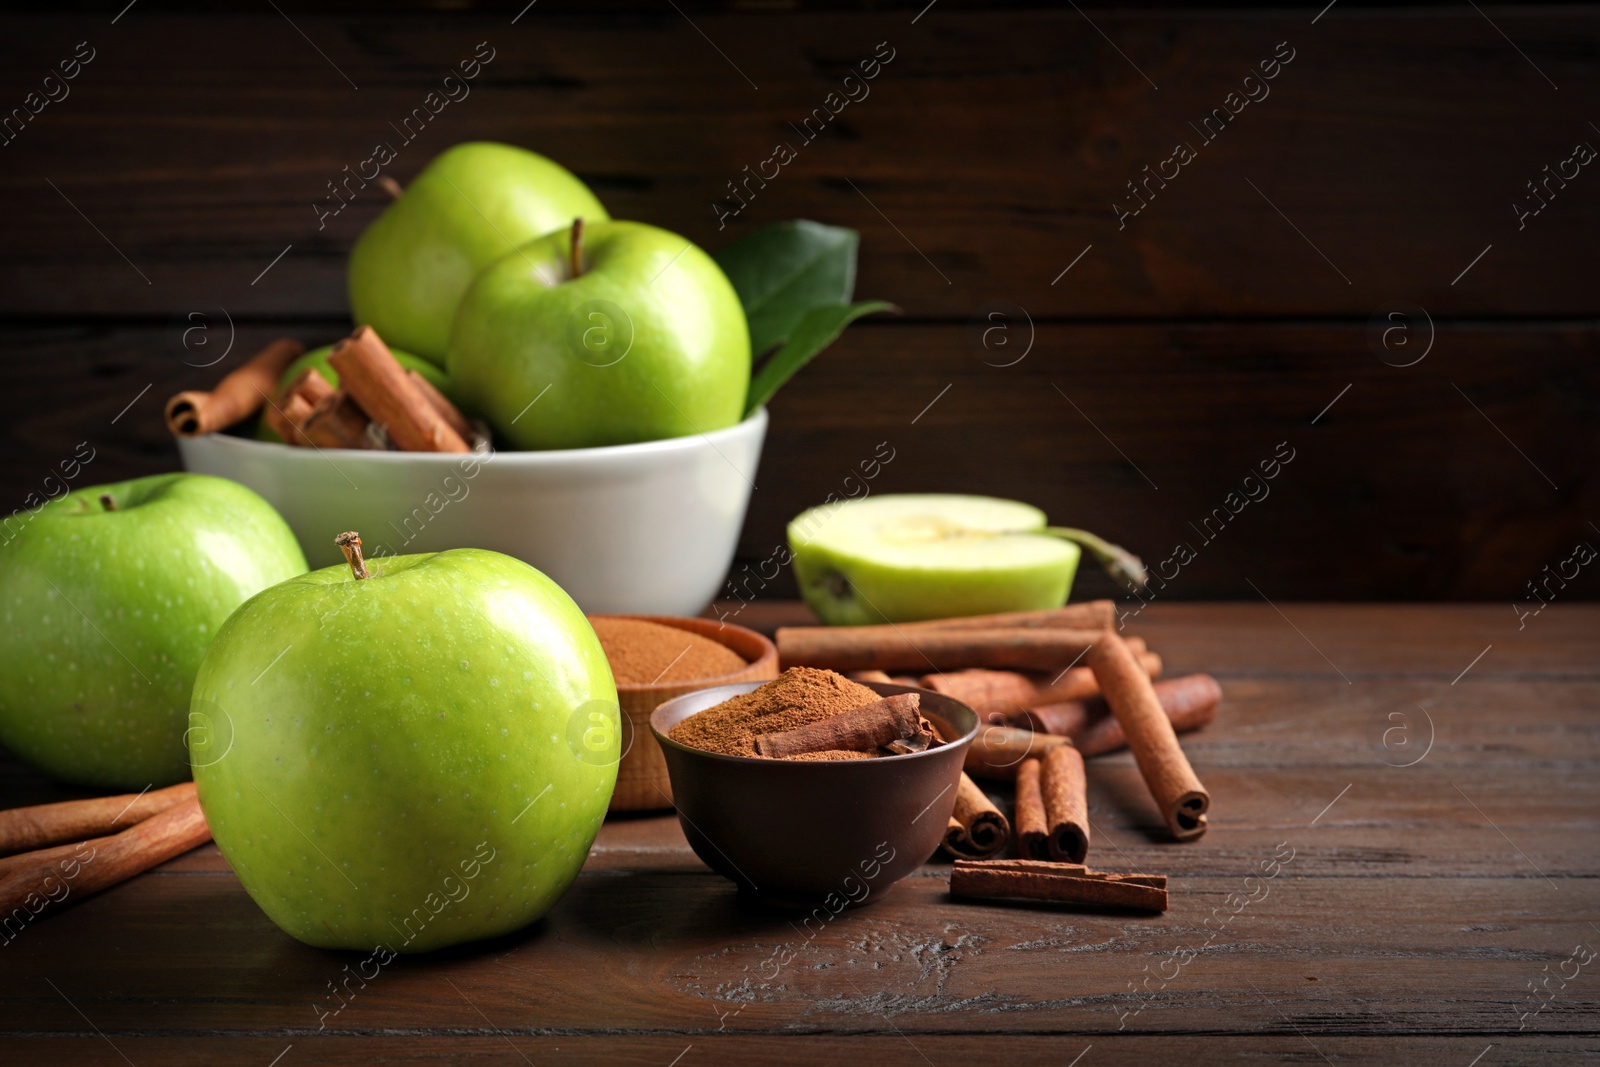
(378, 404)
(1050, 688)
(54, 853)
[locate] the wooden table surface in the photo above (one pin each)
(1432, 769)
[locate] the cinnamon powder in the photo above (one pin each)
(648, 653)
(797, 697)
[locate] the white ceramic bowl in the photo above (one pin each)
(647, 529)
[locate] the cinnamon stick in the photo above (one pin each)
(1088, 615)
(240, 394)
(1075, 683)
(441, 404)
(286, 416)
(978, 687)
(369, 372)
(336, 422)
(1057, 883)
(43, 857)
(977, 828)
(997, 751)
(24, 829)
(45, 879)
(1077, 870)
(1180, 797)
(312, 384)
(1069, 718)
(1066, 805)
(870, 676)
(886, 648)
(1189, 702)
(291, 409)
(860, 729)
(1032, 829)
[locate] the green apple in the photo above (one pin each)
(108, 600)
(412, 759)
(900, 558)
(647, 340)
(472, 204)
(318, 358)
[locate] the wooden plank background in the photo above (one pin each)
(1378, 176)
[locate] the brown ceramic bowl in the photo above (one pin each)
(642, 781)
(799, 833)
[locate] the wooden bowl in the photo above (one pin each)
(803, 833)
(642, 781)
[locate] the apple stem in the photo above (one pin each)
(107, 503)
(390, 186)
(577, 247)
(1122, 565)
(350, 544)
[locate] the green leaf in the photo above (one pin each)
(784, 270)
(817, 329)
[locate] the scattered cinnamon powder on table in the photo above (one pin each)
(797, 697)
(647, 653)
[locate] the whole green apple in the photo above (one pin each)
(638, 337)
(904, 557)
(108, 600)
(411, 759)
(472, 204)
(318, 358)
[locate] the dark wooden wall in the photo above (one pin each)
(1177, 352)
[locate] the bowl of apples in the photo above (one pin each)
(533, 377)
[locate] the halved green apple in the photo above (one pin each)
(900, 558)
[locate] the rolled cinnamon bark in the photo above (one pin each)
(1179, 796)
(1032, 829)
(1190, 703)
(337, 422)
(860, 729)
(977, 828)
(240, 394)
(369, 372)
(46, 879)
(998, 751)
(979, 687)
(42, 857)
(1074, 870)
(870, 676)
(286, 415)
(1057, 883)
(1070, 718)
(312, 384)
(1075, 683)
(24, 829)
(441, 403)
(1150, 661)
(293, 407)
(1066, 804)
(888, 648)
(1088, 615)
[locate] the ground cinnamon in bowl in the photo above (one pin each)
(648, 653)
(800, 698)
